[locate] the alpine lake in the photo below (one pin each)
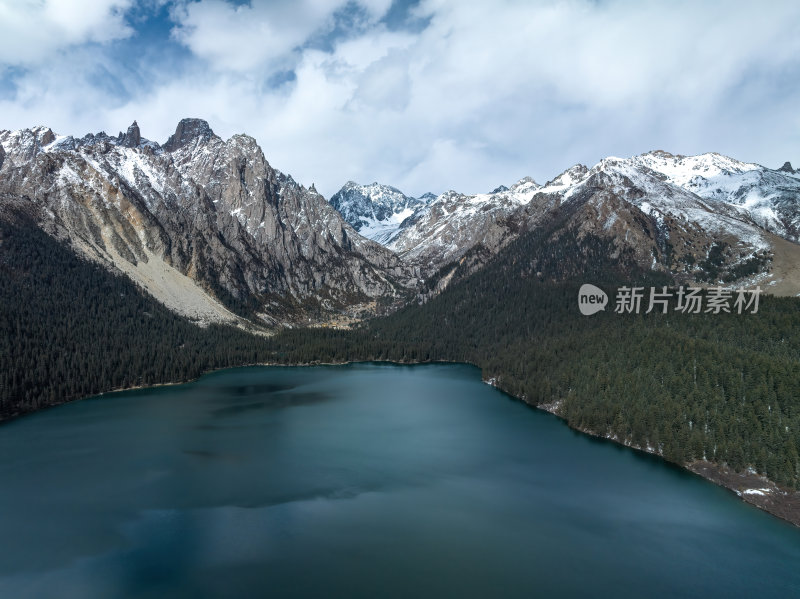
(365, 480)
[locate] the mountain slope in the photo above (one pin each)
(71, 328)
(648, 205)
(205, 212)
(446, 228)
(682, 228)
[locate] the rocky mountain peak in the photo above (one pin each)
(207, 227)
(662, 154)
(187, 131)
(131, 138)
(787, 167)
(523, 185)
(25, 144)
(375, 210)
(44, 135)
(569, 177)
(499, 189)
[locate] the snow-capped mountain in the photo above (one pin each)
(771, 197)
(376, 211)
(705, 217)
(206, 225)
(445, 228)
(661, 222)
(663, 199)
(210, 229)
(693, 228)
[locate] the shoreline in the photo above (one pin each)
(750, 487)
(6, 419)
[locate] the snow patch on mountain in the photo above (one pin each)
(376, 211)
(383, 231)
(771, 197)
(655, 194)
(444, 229)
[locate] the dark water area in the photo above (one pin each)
(366, 480)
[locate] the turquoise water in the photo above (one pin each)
(360, 481)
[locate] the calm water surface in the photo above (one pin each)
(360, 481)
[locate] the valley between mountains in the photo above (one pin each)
(127, 262)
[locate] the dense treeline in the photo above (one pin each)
(724, 387)
(69, 328)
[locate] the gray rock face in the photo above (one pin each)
(132, 138)
(188, 130)
(23, 145)
(212, 210)
(787, 167)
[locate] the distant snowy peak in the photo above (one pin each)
(687, 171)
(522, 189)
(461, 204)
(663, 200)
(386, 215)
(445, 228)
(23, 145)
(376, 211)
(571, 176)
(689, 186)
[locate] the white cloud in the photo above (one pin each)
(246, 37)
(486, 94)
(385, 84)
(32, 30)
(497, 91)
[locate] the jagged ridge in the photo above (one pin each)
(200, 211)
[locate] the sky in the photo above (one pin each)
(425, 95)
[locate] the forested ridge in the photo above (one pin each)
(69, 328)
(724, 387)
